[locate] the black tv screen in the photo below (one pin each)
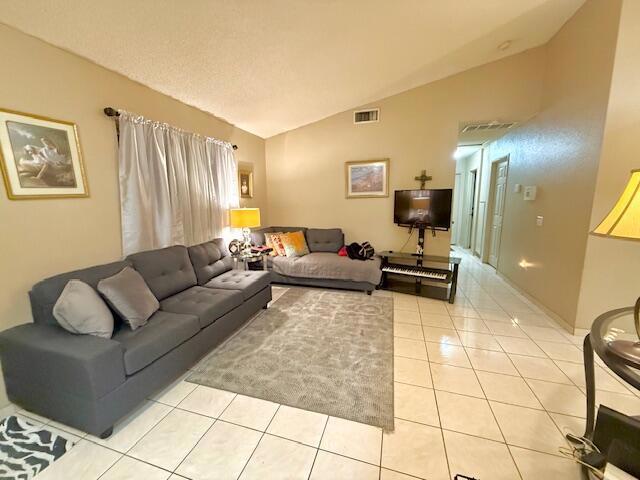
(427, 208)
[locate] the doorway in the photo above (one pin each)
(471, 190)
(455, 208)
(499, 172)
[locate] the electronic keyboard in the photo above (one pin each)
(415, 271)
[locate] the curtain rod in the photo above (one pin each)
(112, 112)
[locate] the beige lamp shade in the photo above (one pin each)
(623, 220)
(244, 217)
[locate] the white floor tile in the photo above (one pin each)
(415, 450)
(507, 329)
(299, 425)
(406, 316)
(467, 415)
(455, 380)
(414, 372)
(535, 465)
(406, 330)
(135, 426)
(539, 369)
(559, 398)
(86, 460)
(250, 412)
(277, 458)
(483, 341)
(478, 457)
(627, 404)
(221, 454)
(128, 468)
(604, 381)
(328, 466)
(490, 361)
(404, 347)
(521, 346)
(386, 474)
(352, 439)
(207, 401)
(436, 320)
(416, 404)
(169, 442)
(441, 335)
(176, 392)
(470, 324)
(447, 354)
(560, 351)
(528, 428)
(544, 333)
(508, 389)
(568, 424)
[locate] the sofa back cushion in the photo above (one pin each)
(45, 294)
(210, 259)
(167, 271)
(325, 239)
(257, 236)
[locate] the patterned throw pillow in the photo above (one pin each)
(273, 240)
(295, 244)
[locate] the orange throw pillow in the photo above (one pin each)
(295, 245)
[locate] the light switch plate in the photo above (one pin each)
(539, 220)
(530, 192)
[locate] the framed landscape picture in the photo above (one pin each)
(40, 157)
(367, 178)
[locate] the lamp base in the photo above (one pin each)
(246, 246)
(627, 351)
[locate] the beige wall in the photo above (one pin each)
(418, 130)
(558, 151)
(610, 278)
(44, 237)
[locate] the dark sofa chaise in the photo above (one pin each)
(323, 267)
(89, 382)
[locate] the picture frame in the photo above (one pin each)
(245, 182)
(367, 178)
(40, 157)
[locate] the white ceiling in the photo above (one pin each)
(269, 66)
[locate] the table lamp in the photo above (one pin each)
(623, 222)
(246, 219)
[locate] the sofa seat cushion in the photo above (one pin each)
(247, 282)
(207, 304)
(325, 265)
(162, 333)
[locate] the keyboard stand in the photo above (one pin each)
(415, 284)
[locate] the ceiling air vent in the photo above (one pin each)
(479, 127)
(366, 116)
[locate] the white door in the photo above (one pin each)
(455, 208)
(499, 189)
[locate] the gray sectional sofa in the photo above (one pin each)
(89, 382)
(323, 267)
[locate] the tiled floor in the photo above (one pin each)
(485, 387)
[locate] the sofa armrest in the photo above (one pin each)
(83, 365)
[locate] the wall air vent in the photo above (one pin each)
(479, 127)
(371, 115)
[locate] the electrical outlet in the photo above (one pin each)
(539, 220)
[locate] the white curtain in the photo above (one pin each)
(176, 187)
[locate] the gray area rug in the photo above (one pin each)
(326, 351)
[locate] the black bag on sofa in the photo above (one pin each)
(355, 251)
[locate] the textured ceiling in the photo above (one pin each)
(269, 66)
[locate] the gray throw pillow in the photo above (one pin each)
(80, 310)
(129, 295)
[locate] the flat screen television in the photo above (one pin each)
(423, 208)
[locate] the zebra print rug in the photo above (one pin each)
(26, 450)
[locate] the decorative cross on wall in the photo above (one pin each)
(423, 178)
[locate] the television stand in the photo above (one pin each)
(407, 273)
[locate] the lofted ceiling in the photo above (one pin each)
(269, 66)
